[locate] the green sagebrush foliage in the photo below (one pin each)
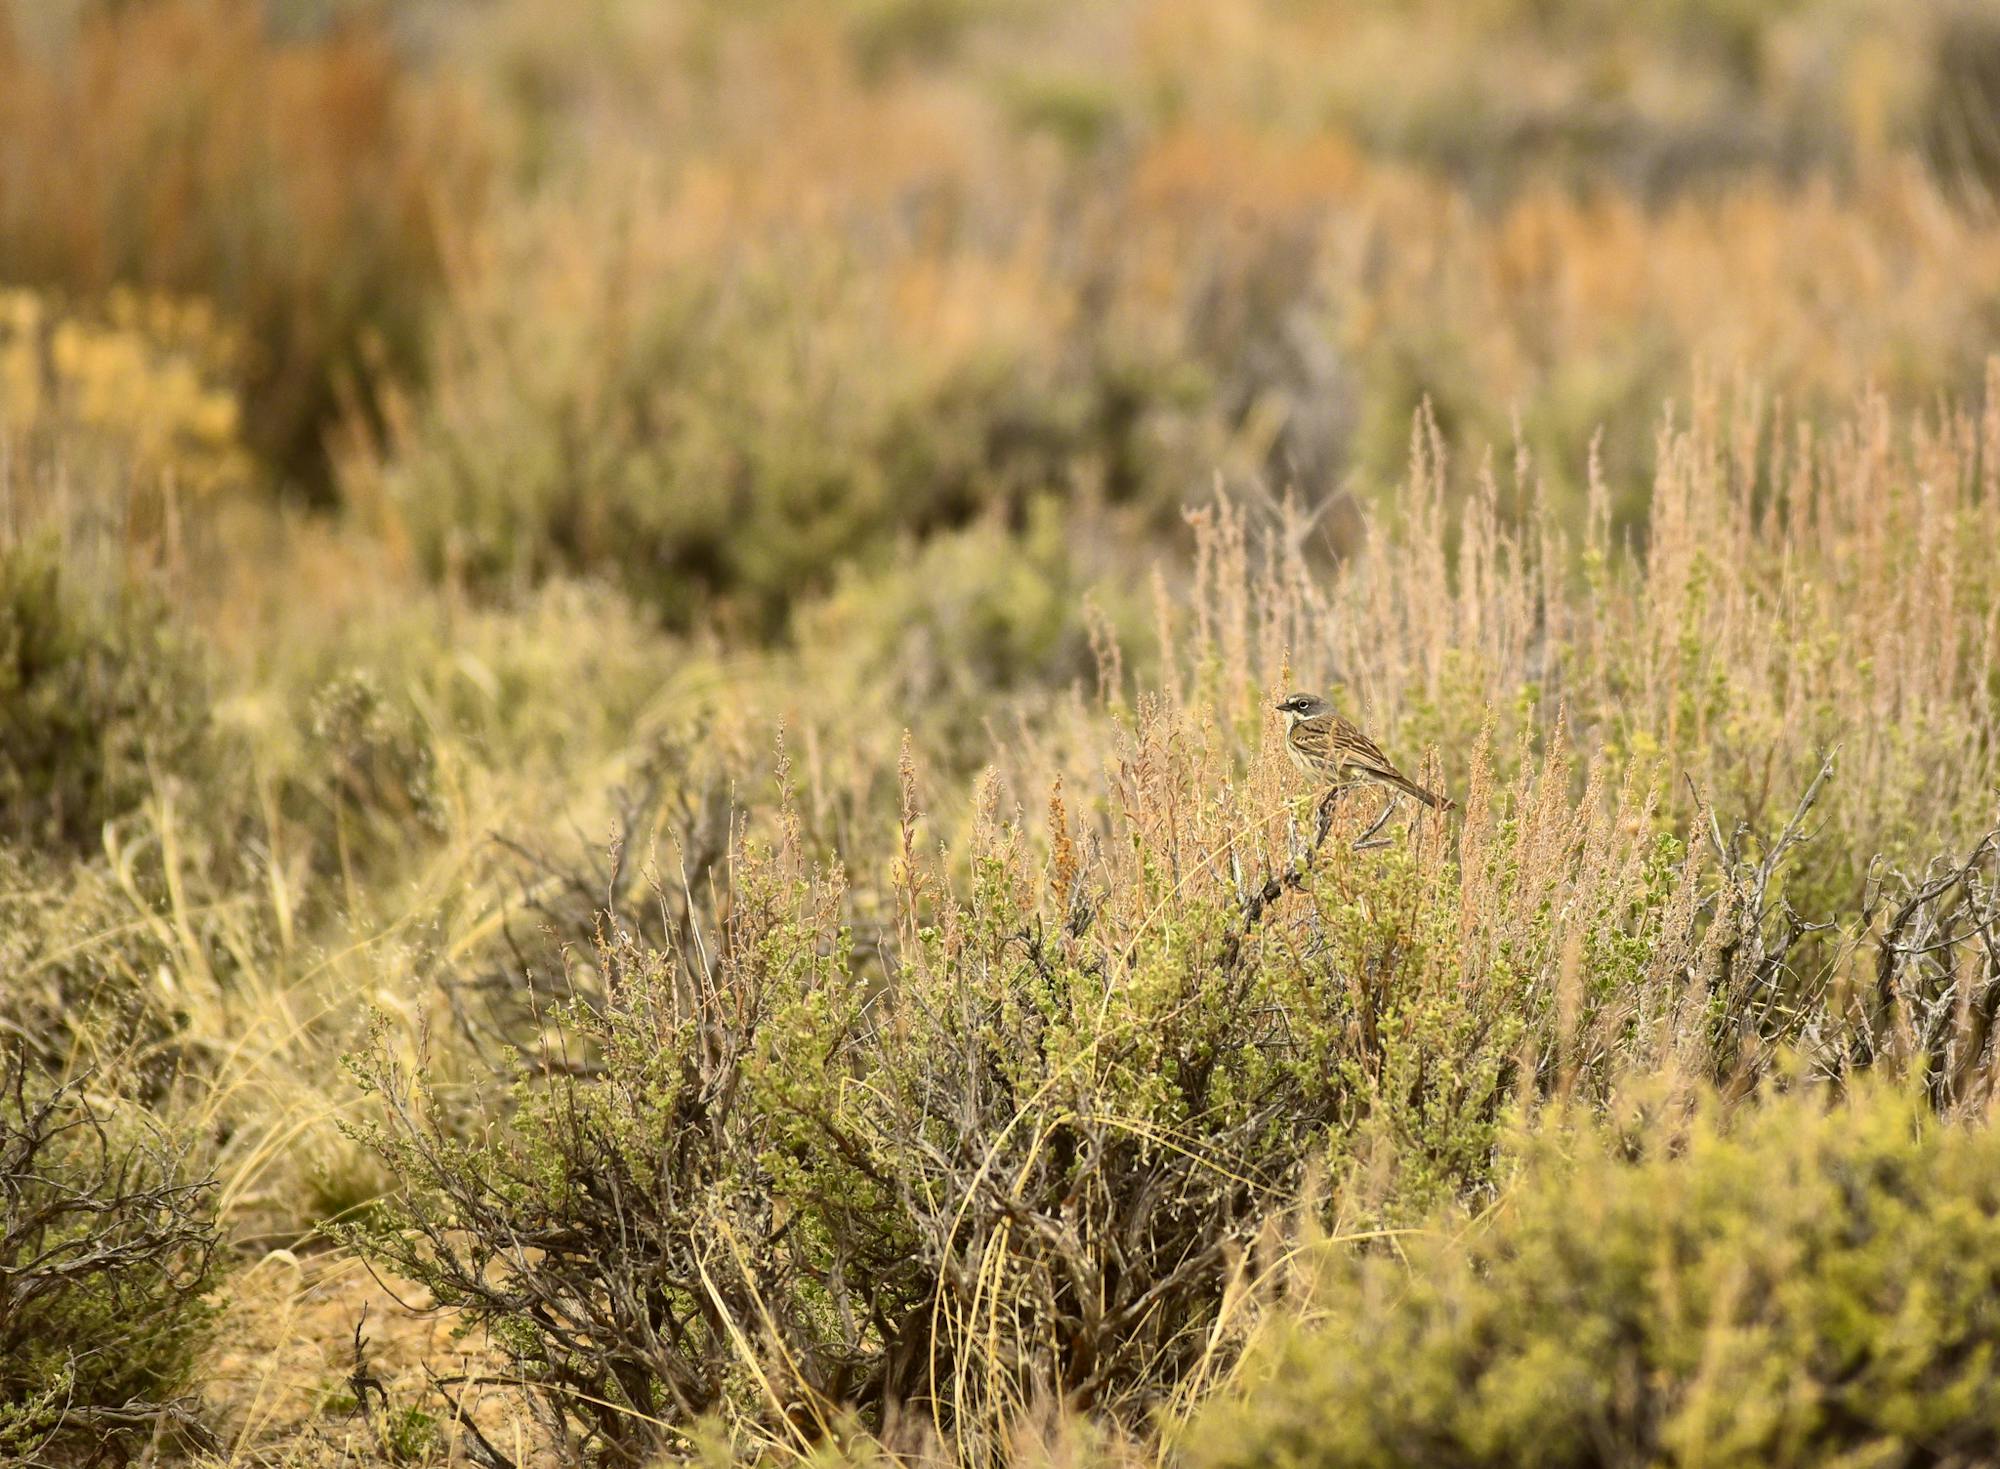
(1801, 1282)
(107, 1251)
(94, 695)
(778, 1192)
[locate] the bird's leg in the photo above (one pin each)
(1365, 841)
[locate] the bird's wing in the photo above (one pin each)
(1352, 747)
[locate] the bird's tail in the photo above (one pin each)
(1429, 797)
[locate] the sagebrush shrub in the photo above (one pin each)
(95, 697)
(1807, 1281)
(978, 623)
(107, 1252)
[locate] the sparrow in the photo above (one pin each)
(1329, 749)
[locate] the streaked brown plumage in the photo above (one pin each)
(1330, 749)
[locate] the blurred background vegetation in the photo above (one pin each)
(471, 473)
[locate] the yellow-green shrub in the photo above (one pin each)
(1804, 1281)
(974, 629)
(131, 398)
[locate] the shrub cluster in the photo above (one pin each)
(915, 1145)
(1807, 1281)
(739, 429)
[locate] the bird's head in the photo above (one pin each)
(1302, 706)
